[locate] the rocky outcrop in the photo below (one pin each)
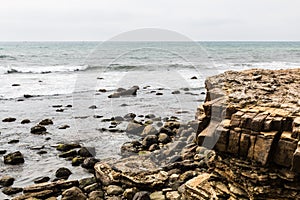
(252, 115)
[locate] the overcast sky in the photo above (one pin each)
(41, 20)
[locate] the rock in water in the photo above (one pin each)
(38, 129)
(63, 173)
(9, 119)
(14, 158)
(123, 92)
(134, 128)
(46, 122)
(149, 130)
(6, 181)
(72, 194)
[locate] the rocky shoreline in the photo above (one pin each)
(244, 144)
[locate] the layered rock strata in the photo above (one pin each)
(254, 117)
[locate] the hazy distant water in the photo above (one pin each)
(64, 73)
(25, 59)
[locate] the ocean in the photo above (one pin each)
(58, 74)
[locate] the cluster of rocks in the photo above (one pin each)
(254, 116)
(244, 144)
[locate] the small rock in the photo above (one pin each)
(41, 179)
(149, 140)
(86, 182)
(72, 194)
(42, 152)
(84, 152)
(173, 195)
(96, 195)
(149, 130)
(159, 94)
(150, 116)
(93, 107)
(25, 121)
(67, 147)
(129, 193)
(2, 152)
(176, 92)
(46, 122)
(9, 119)
(92, 187)
(27, 96)
(164, 138)
(56, 106)
(6, 181)
(60, 110)
(114, 190)
(64, 126)
(157, 196)
(102, 90)
(76, 161)
(67, 154)
(38, 129)
(14, 158)
(153, 147)
(141, 196)
(194, 77)
(63, 173)
(13, 141)
(130, 116)
(11, 190)
(134, 128)
(89, 163)
(15, 85)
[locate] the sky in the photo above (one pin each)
(100, 20)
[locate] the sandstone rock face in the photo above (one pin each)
(253, 115)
